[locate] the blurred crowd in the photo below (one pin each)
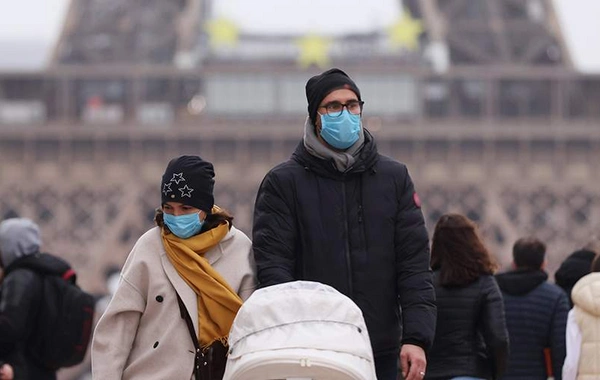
(535, 329)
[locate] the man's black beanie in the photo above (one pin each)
(319, 86)
(189, 180)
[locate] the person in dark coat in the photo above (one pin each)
(471, 340)
(20, 297)
(575, 266)
(340, 213)
(536, 315)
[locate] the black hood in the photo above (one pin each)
(365, 159)
(575, 266)
(41, 262)
(521, 281)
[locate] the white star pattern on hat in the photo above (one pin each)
(186, 191)
(167, 188)
(177, 177)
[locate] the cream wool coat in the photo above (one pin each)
(141, 335)
(586, 298)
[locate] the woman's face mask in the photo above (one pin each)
(184, 226)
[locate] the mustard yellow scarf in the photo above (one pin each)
(218, 303)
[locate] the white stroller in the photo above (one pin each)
(299, 330)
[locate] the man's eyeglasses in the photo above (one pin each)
(335, 108)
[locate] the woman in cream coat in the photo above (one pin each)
(179, 280)
(583, 328)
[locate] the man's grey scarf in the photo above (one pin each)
(342, 160)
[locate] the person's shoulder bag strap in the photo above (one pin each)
(198, 354)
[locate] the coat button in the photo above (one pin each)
(155, 344)
(159, 298)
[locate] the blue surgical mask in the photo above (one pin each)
(342, 131)
(183, 226)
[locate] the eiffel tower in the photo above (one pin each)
(488, 113)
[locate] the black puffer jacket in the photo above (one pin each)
(536, 318)
(20, 297)
(471, 337)
(360, 232)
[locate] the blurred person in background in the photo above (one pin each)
(471, 341)
(112, 275)
(583, 328)
(340, 213)
(20, 298)
(536, 314)
(575, 266)
(180, 289)
(6, 369)
(7, 372)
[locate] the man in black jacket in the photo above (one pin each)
(536, 314)
(339, 213)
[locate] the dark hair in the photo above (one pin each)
(458, 251)
(595, 264)
(212, 220)
(529, 252)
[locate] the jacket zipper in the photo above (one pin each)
(347, 243)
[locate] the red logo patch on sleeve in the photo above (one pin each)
(417, 200)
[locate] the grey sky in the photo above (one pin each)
(31, 19)
(579, 20)
(29, 28)
(298, 17)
